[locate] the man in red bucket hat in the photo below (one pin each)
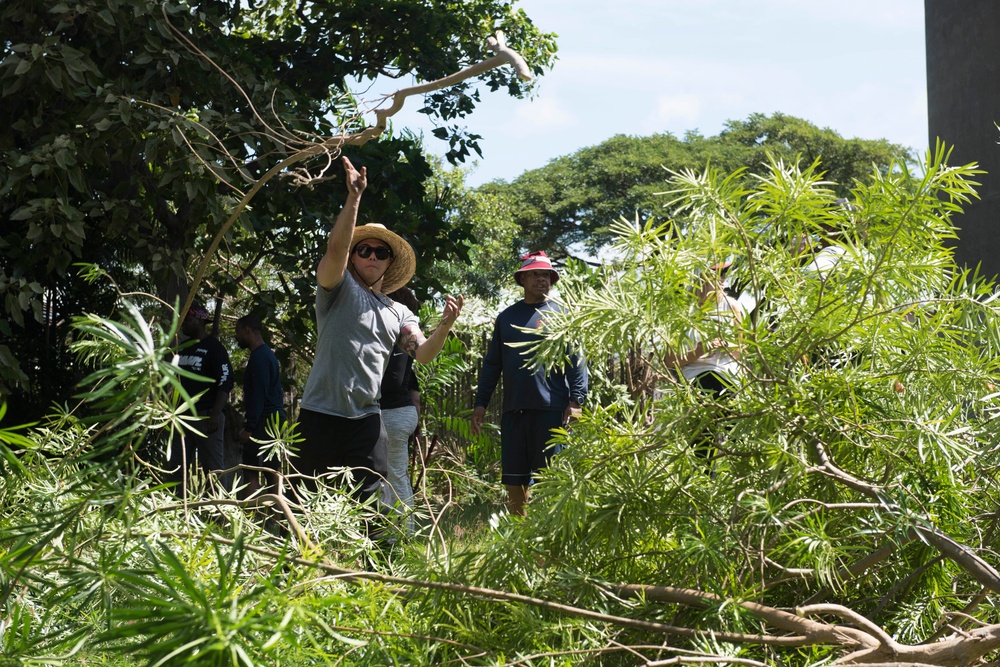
(534, 402)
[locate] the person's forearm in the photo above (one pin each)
(673, 360)
(221, 399)
(489, 376)
(578, 378)
(429, 349)
(254, 409)
(333, 265)
(343, 226)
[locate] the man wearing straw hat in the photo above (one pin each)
(357, 326)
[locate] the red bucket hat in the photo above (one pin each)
(198, 311)
(537, 261)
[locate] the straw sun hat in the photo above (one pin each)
(404, 263)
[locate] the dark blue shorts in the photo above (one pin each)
(524, 443)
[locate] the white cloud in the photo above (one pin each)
(542, 115)
(682, 110)
(646, 66)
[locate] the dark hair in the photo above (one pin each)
(405, 296)
(251, 322)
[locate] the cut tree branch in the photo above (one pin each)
(332, 146)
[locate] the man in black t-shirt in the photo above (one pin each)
(207, 358)
(399, 402)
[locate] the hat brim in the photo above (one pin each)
(404, 262)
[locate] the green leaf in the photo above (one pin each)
(24, 213)
(55, 77)
(77, 180)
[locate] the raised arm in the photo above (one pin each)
(332, 266)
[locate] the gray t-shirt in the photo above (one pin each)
(356, 330)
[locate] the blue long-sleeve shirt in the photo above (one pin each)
(262, 394)
(527, 388)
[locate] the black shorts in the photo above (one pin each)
(524, 443)
(705, 437)
(339, 442)
(718, 385)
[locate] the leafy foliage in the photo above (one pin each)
(491, 246)
(850, 467)
(847, 512)
(130, 129)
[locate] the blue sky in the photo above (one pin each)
(644, 66)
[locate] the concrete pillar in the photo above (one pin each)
(963, 109)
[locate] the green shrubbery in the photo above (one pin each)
(849, 512)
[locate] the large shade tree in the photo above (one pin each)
(131, 128)
(570, 203)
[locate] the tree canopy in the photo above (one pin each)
(574, 199)
(130, 129)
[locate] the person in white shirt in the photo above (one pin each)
(709, 361)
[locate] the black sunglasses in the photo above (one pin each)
(365, 251)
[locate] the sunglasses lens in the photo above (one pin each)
(365, 251)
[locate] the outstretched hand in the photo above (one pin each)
(357, 181)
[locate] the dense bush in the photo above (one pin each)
(848, 512)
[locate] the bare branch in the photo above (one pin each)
(704, 659)
(984, 573)
(815, 631)
(332, 146)
(851, 616)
